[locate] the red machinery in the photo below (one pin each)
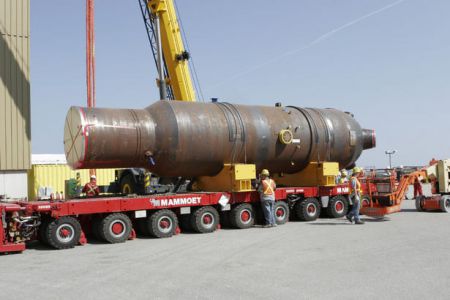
(62, 224)
(387, 202)
(7, 235)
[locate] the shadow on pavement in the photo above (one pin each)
(372, 220)
(36, 245)
(409, 210)
(329, 223)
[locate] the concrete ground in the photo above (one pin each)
(405, 256)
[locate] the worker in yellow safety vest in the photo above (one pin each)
(342, 177)
(266, 191)
(355, 195)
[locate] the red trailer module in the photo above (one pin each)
(63, 224)
(10, 235)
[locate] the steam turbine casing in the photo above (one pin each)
(195, 139)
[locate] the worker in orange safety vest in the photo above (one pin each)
(266, 191)
(91, 189)
(355, 194)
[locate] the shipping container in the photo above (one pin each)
(49, 172)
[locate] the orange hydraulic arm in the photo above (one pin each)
(408, 179)
(383, 204)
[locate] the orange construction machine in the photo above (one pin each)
(383, 203)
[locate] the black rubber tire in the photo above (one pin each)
(153, 223)
(237, 214)
(198, 222)
(106, 230)
(281, 212)
(53, 232)
(42, 232)
(303, 209)
(445, 204)
(334, 204)
(128, 185)
(419, 203)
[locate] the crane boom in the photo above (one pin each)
(176, 67)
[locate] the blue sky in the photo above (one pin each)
(391, 69)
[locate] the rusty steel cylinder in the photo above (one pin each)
(173, 138)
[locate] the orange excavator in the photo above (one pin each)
(382, 204)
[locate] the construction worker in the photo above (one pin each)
(91, 189)
(266, 191)
(343, 177)
(417, 188)
(338, 178)
(355, 194)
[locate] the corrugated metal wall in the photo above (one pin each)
(54, 176)
(15, 129)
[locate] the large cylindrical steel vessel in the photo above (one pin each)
(173, 138)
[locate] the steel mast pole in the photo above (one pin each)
(161, 80)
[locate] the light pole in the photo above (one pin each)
(390, 153)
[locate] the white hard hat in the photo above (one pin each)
(93, 177)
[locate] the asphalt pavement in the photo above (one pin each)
(403, 256)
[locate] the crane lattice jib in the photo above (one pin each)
(175, 56)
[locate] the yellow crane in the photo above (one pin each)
(174, 77)
(175, 82)
(172, 59)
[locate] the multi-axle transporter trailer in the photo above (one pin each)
(64, 224)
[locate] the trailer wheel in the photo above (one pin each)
(63, 233)
(419, 200)
(445, 204)
(205, 219)
(337, 207)
(242, 216)
(281, 212)
(115, 228)
(162, 223)
(128, 185)
(308, 209)
(365, 201)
